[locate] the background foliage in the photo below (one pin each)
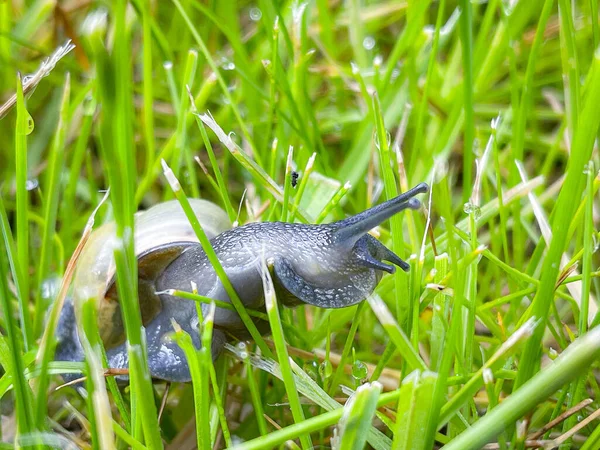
(494, 104)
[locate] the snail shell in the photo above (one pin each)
(161, 234)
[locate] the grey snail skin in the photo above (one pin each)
(332, 265)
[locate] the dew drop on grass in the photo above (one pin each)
(369, 42)
(255, 14)
(312, 369)
(228, 65)
(30, 125)
(325, 369)
(32, 184)
(470, 208)
(89, 105)
(194, 323)
(243, 350)
(50, 287)
(359, 370)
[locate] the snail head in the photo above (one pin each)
(340, 264)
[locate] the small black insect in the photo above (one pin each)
(295, 176)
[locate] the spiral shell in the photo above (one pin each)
(161, 233)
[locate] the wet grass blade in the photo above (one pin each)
(564, 209)
(359, 412)
(282, 354)
(24, 126)
(542, 385)
(396, 334)
(311, 425)
(23, 396)
(52, 188)
(214, 260)
(414, 409)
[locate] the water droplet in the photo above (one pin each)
(194, 323)
(312, 369)
(32, 184)
(30, 124)
(50, 287)
(89, 105)
(369, 42)
(243, 350)
(470, 208)
(228, 65)
(255, 14)
(359, 370)
(579, 418)
(325, 369)
(26, 79)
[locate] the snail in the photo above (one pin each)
(331, 265)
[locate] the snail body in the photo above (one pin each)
(331, 266)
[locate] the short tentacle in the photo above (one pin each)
(367, 259)
(385, 254)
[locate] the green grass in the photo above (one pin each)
(492, 337)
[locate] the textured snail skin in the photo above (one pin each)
(330, 266)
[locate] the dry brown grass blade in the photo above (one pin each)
(66, 281)
(565, 415)
(566, 436)
(163, 402)
(31, 82)
(107, 373)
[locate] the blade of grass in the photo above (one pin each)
(403, 307)
(23, 397)
(566, 367)
(397, 335)
(23, 127)
(313, 424)
(181, 153)
(564, 209)
(200, 380)
(282, 354)
(209, 59)
(414, 408)
(254, 168)
(466, 38)
(359, 411)
(52, 187)
(213, 161)
(87, 318)
(214, 260)
(115, 93)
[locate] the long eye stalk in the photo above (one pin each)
(352, 228)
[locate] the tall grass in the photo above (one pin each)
(492, 338)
